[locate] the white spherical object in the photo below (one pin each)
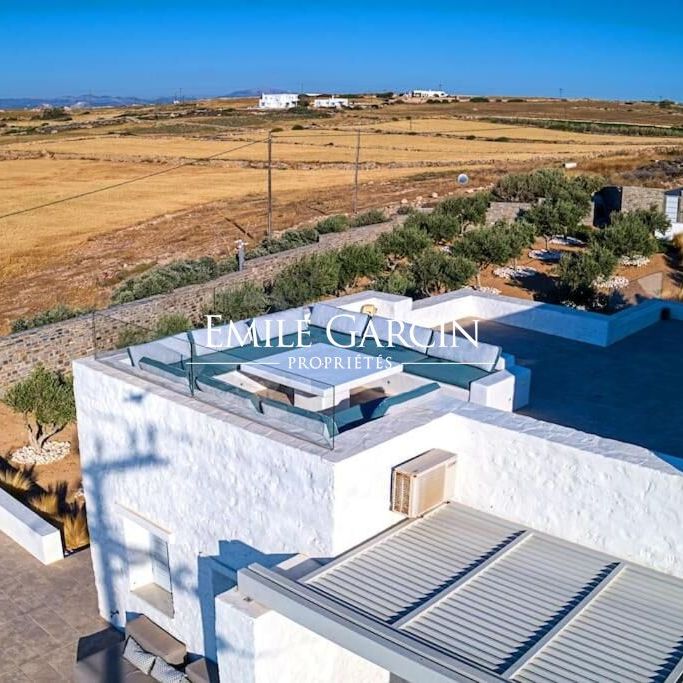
(463, 179)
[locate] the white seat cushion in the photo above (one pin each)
(484, 356)
(223, 337)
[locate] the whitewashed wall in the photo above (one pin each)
(218, 490)
(604, 494)
(261, 646)
(29, 530)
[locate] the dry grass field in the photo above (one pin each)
(72, 251)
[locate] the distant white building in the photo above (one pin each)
(428, 93)
(331, 103)
(280, 100)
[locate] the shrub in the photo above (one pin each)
(434, 272)
(169, 277)
(292, 239)
(246, 301)
(405, 209)
(172, 323)
(52, 315)
(548, 183)
(46, 400)
(403, 241)
(298, 126)
(338, 223)
(131, 335)
(470, 209)
(368, 218)
(15, 481)
(310, 278)
(577, 272)
(555, 216)
(46, 502)
(441, 227)
(75, 529)
(358, 260)
(479, 99)
(629, 234)
(497, 244)
(396, 282)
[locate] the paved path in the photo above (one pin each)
(44, 610)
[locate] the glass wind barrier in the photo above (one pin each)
(275, 386)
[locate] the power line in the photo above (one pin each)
(128, 182)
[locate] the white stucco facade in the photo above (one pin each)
(281, 100)
(224, 492)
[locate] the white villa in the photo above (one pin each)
(280, 100)
(427, 94)
(331, 102)
(463, 488)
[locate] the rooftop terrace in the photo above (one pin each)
(629, 391)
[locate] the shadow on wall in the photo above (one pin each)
(217, 574)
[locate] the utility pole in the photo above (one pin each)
(355, 173)
(270, 184)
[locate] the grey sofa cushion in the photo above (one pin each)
(411, 336)
(280, 324)
(155, 640)
(202, 671)
(226, 336)
(108, 666)
(484, 356)
(165, 673)
(342, 321)
(168, 350)
(139, 657)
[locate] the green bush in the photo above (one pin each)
(555, 216)
(169, 277)
(338, 223)
(547, 183)
(368, 218)
(469, 209)
(292, 239)
(238, 303)
(396, 282)
(132, 335)
(358, 260)
(172, 323)
(434, 271)
(46, 401)
(479, 99)
(629, 234)
(52, 315)
(405, 209)
(403, 241)
(441, 227)
(577, 272)
(298, 126)
(496, 244)
(306, 280)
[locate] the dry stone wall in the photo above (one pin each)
(56, 345)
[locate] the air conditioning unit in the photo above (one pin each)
(420, 484)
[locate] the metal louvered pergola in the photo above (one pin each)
(460, 595)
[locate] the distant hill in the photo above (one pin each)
(112, 100)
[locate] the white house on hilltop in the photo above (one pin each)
(379, 489)
(426, 94)
(331, 102)
(282, 100)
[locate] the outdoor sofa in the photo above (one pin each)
(424, 353)
(111, 666)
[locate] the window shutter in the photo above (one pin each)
(160, 569)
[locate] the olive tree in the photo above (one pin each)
(46, 400)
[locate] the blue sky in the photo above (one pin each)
(154, 47)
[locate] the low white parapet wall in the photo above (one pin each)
(29, 530)
(582, 326)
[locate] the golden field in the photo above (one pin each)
(72, 251)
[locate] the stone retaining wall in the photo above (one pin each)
(56, 345)
(505, 211)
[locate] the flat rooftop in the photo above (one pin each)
(629, 391)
